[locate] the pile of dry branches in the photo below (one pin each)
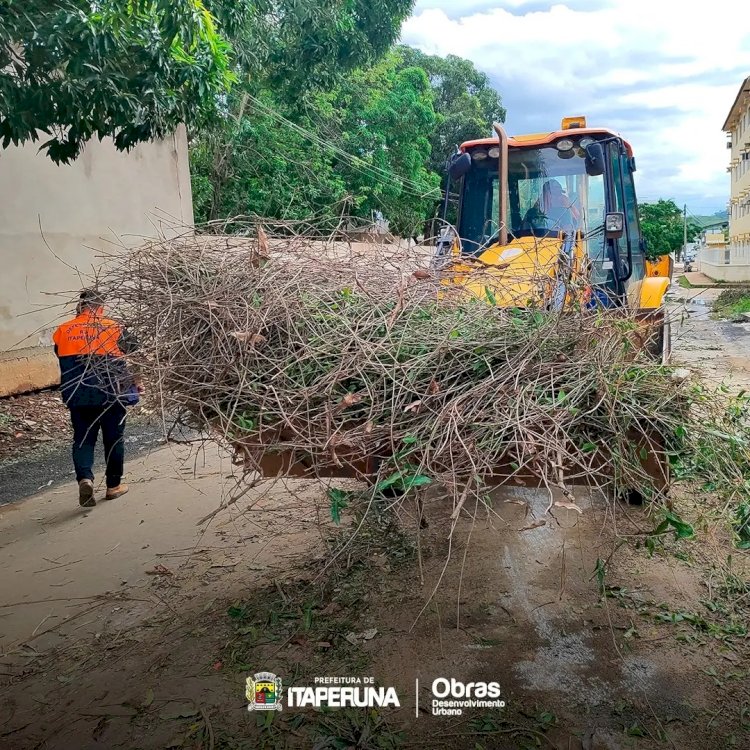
(348, 360)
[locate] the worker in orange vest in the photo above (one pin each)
(96, 387)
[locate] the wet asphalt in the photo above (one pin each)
(51, 465)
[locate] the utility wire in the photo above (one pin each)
(353, 161)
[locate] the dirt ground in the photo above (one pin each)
(29, 420)
(133, 625)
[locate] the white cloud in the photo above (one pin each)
(664, 73)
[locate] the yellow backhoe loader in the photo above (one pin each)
(551, 219)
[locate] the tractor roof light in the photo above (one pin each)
(571, 123)
(587, 140)
(494, 152)
(564, 145)
(478, 155)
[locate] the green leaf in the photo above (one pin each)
(338, 500)
(419, 480)
(388, 482)
(635, 730)
(236, 613)
(684, 530)
(600, 571)
(490, 296)
(405, 479)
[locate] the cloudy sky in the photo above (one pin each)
(663, 73)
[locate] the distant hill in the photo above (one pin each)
(705, 221)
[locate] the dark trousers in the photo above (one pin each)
(87, 421)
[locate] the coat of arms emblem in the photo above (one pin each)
(263, 692)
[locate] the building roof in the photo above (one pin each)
(735, 110)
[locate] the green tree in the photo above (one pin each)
(368, 140)
(286, 53)
(466, 104)
(362, 147)
(290, 45)
(662, 225)
(129, 69)
(465, 101)
(257, 164)
(386, 119)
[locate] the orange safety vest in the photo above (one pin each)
(92, 372)
(88, 333)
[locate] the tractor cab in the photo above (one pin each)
(558, 207)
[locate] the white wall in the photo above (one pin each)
(103, 198)
(712, 261)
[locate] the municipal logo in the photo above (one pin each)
(263, 691)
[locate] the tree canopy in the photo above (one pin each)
(464, 100)
(129, 69)
(290, 45)
(295, 109)
(662, 225)
(359, 148)
(134, 69)
(368, 143)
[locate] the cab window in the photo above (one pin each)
(633, 227)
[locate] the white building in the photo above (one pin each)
(736, 255)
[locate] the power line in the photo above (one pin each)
(353, 161)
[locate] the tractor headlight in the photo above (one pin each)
(494, 152)
(564, 145)
(585, 141)
(478, 155)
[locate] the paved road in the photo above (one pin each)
(51, 464)
(717, 350)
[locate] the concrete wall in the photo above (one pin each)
(724, 263)
(55, 220)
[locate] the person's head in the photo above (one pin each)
(553, 194)
(89, 300)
